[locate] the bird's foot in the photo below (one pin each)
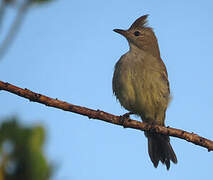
(124, 118)
(127, 115)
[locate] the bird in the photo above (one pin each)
(140, 83)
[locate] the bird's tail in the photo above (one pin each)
(160, 149)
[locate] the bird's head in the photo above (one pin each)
(141, 36)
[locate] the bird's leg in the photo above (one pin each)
(127, 115)
(151, 124)
(124, 117)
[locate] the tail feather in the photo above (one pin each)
(160, 149)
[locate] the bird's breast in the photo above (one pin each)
(137, 83)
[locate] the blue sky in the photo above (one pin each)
(67, 50)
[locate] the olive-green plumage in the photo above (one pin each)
(140, 83)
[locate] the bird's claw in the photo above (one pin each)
(127, 115)
(124, 118)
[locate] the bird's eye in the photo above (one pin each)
(137, 33)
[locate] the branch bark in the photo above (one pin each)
(107, 117)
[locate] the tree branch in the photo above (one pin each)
(110, 118)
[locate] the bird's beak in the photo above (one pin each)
(121, 31)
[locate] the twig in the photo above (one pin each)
(14, 28)
(104, 116)
(2, 11)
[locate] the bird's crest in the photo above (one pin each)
(141, 22)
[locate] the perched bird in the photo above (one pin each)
(140, 83)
